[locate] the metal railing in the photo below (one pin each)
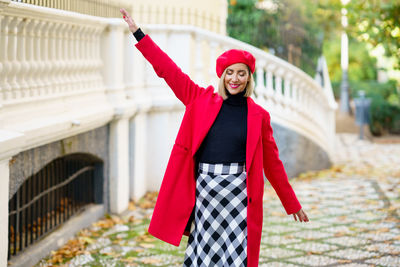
(49, 198)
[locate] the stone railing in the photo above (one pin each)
(99, 8)
(207, 14)
(43, 57)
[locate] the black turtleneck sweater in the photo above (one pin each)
(226, 140)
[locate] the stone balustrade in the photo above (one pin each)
(48, 55)
(98, 8)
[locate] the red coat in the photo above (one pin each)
(176, 198)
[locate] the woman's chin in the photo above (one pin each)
(233, 91)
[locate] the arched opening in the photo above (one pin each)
(51, 196)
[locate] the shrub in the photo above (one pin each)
(384, 109)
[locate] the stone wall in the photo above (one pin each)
(27, 163)
(298, 153)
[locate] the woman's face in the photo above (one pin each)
(236, 78)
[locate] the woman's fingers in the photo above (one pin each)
(126, 16)
(304, 217)
(131, 23)
(301, 215)
(123, 12)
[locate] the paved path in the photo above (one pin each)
(353, 210)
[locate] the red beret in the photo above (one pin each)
(235, 56)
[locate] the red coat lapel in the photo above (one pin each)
(254, 121)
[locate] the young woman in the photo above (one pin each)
(213, 186)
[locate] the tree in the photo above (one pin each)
(377, 22)
(293, 30)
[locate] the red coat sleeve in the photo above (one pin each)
(275, 171)
(180, 83)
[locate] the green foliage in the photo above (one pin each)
(384, 109)
(292, 27)
(361, 65)
(240, 16)
(377, 22)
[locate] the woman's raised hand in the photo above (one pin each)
(131, 23)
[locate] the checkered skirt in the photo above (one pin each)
(218, 235)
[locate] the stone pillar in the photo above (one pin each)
(10, 144)
(119, 127)
(119, 165)
(138, 147)
(4, 183)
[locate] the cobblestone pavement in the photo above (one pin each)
(353, 210)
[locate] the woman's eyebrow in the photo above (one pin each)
(234, 70)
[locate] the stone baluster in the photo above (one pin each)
(37, 65)
(157, 17)
(270, 78)
(47, 63)
(60, 53)
(80, 59)
(30, 60)
(93, 62)
(180, 15)
(307, 101)
(12, 53)
(278, 84)
(199, 64)
(260, 87)
(319, 104)
(300, 97)
(53, 56)
(87, 62)
(97, 57)
(129, 64)
(3, 42)
(1, 57)
(75, 71)
(196, 15)
(213, 51)
(68, 57)
(22, 58)
(316, 104)
(5, 64)
(188, 18)
(174, 15)
(287, 89)
(295, 94)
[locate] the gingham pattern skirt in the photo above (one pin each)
(218, 235)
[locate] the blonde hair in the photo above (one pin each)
(222, 90)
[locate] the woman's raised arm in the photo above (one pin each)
(180, 83)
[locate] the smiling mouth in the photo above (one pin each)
(234, 86)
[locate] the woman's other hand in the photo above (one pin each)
(301, 215)
(131, 23)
